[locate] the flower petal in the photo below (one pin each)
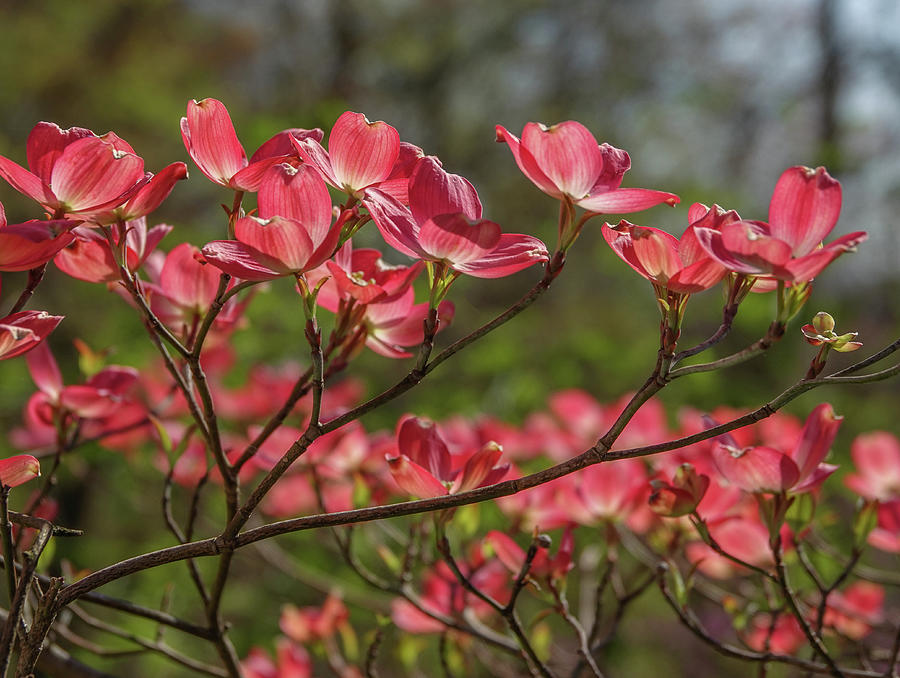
(513, 253)
(211, 141)
(567, 153)
(297, 193)
(414, 479)
(433, 191)
(362, 153)
(816, 438)
(18, 469)
(626, 200)
(93, 171)
(757, 469)
(285, 240)
(805, 207)
(455, 239)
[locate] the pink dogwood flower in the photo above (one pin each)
(422, 464)
(310, 624)
(443, 224)
(101, 396)
(76, 172)
(785, 636)
(210, 139)
(293, 661)
(876, 456)
(886, 535)
(855, 610)
(766, 469)
(565, 162)
(670, 263)
(292, 234)
(543, 565)
(804, 209)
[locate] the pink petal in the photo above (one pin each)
(432, 192)
(362, 153)
(89, 258)
(752, 242)
(419, 440)
(211, 141)
(478, 467)
(151, 194)
(610, 489)
(23, 331)
(18, 469)
(412, 620)
(46, 142)
(568, 155)
(283, 239)
(395, 223)
(455, 239)
(32, 244)
(27, 183)
(115, 379)
(701, 275)
(311, 152)
(805, 207)
(809, 266)
(186, 280)
(280, 144)
(507, 550)
(361, 290)
(619, 238)
(92, 171)
(657, 251)
(396, 184)
(297, 193)
(757, 469)
(242, 261)
(699, 216)
(249, 178)
(45, 371)
(626, 200)
(877, 456)
(88, 402)
(815, 479)
(527, 163)
(816, 438)
(513, 253)
(649, 251)
(414, 479)
(615, 163)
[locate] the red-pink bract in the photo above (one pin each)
(18, 469)
(23, 331)
(360, 153)
(565, 162)
(876, 456)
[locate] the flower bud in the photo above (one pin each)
(681, 496)
(823, 322)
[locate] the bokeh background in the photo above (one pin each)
(713, 99)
